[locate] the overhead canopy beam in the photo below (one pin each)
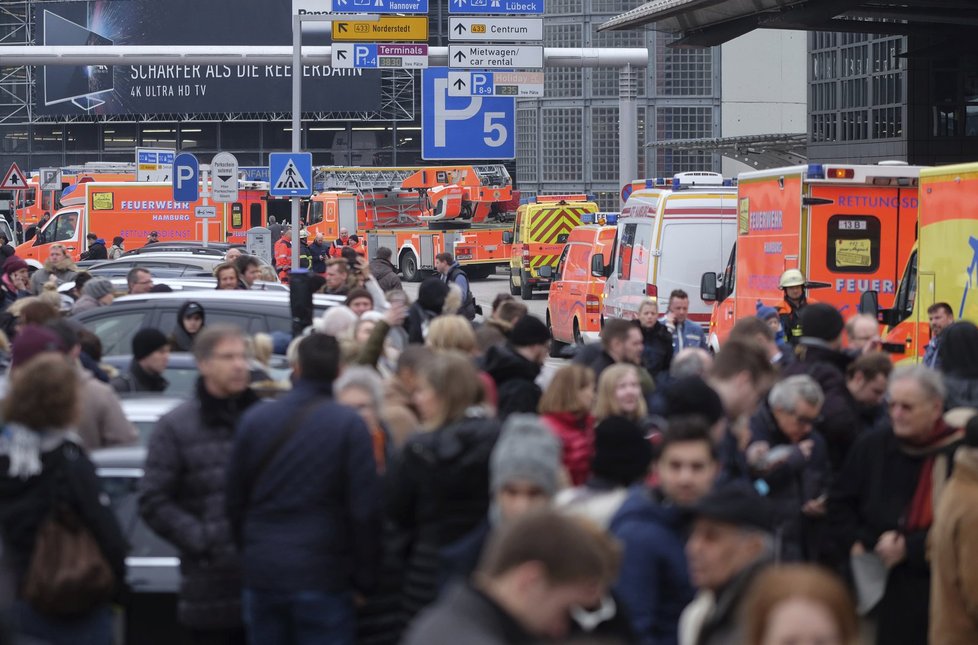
(18, 55)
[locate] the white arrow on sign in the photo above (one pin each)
(205, 212)
(224, 178)
(495, 56)
(495, 29)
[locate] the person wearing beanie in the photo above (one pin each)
(515, 366)
(14, 282)
(31, 341)
(97, 292)
(769, 315)
(622, 456)
(820, 356)
(954, 569)
(524, 475)
(150, 357)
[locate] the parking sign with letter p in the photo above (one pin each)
(464, 127)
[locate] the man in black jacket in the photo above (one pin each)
(150, 357)
(304, 502)
(515, 366)
(182, 492)
(383, 269)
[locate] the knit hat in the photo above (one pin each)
(31, 341)
(691, 395)
(622, 454)
(13, 264)
(764, 312)
(146, 341)
(526, 451)
(736, 503)
(821, 321)
(98, 288)
(529, 330)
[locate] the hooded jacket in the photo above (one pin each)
(180, 339)
(64, 270)
(653, 582)
(515, 378)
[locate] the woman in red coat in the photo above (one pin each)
(566, 408)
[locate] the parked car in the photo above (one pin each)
(192, 283)
(182, 373)
(174, 264)
(197, 248)
(253, 311)
(144, 409)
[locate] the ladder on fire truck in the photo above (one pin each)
(384, 197)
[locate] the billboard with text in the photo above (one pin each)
(175, 88)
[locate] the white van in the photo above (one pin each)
(669, 233)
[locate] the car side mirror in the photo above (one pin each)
(597, 265)
(507, 237)
(545, 272)
(869, 304)
(708, 287)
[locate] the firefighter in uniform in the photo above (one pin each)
(792, 283)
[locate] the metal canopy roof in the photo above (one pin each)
(760, 151)
(704, 23)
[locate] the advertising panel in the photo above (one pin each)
(175, 88)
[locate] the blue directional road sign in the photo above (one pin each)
(510, 7)
(383, 6)
(186, 178)
(464, 127)
(290, 173)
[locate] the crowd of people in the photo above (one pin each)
(432, 479)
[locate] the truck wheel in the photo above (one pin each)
(578, 339)
(513, 289)
(526, 291)
(556, 346)
(409, 267)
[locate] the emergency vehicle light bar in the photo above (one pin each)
(603, 219)
(543, 199)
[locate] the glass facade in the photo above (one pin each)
(568, 140)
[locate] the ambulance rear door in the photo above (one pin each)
(856, 241)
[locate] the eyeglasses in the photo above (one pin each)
(805, 420)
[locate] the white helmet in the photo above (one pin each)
(791, 278)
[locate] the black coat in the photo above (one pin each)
(96, 252)
(438, 491)
(657, 350)
(791, 484)
(385, 273)
(872, 495)
(136, 379)
(515, 378)
(840, 422)
(312, 519)
(182, 498)
(25, 503)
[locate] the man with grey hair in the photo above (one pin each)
(789, 460)
(729, 545)
(692, 361)
(882, 502)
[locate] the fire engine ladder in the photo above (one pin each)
(365, 183)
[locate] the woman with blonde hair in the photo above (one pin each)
(451, 333)
(438, 490)
(620, 394)
(799, 604)
(566, 408)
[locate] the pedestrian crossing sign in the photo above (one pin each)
(290, 174)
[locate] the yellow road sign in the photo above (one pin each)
(387, 29)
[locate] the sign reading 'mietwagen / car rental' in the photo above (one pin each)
(180, 89)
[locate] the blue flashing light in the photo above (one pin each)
(611, 219)
(587, 218)
(816, 171)
(676, 184)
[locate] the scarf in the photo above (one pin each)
(23, 448)
(933, 474)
